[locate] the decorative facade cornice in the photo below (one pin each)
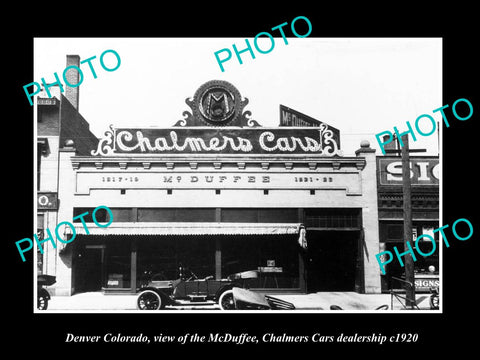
(218, 162)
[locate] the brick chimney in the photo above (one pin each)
(73, 77)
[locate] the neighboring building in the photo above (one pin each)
(59, 125)
(424, 175)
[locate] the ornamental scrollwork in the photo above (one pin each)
(330, 146)
(105, 145)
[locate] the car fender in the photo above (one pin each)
(43, 292)
(224, 288)
(165, 297)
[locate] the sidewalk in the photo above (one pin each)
(97, 301)
(350, 301)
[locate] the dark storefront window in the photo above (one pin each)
(280, 215)
(156, 215)
(333, 218)
(391, 235)
(176, 215)
(118, 264)
(240, 215)
(102, 263)
(162, 257)
(274, 257)
(428, 264)
(102, 215)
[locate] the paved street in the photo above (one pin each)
(96, 301)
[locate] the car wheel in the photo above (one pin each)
(42, 302)
(149, 300)
(226, 300)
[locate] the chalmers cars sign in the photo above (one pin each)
(208, 140)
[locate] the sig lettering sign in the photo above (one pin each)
(423, 171)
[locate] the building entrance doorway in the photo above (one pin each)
(331, 260)
(88, 269)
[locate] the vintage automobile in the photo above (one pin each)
(42, 294)
(158, 293)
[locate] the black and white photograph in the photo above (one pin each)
(187, 192)
(244, 189)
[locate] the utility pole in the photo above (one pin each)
(407, 216)
(407, 224)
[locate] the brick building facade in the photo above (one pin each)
(216, 192)
(59, 125)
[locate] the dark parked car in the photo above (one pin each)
(158, 293)
(42, 294)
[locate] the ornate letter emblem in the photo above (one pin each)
(217, 104)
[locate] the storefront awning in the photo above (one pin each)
(187, 228)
